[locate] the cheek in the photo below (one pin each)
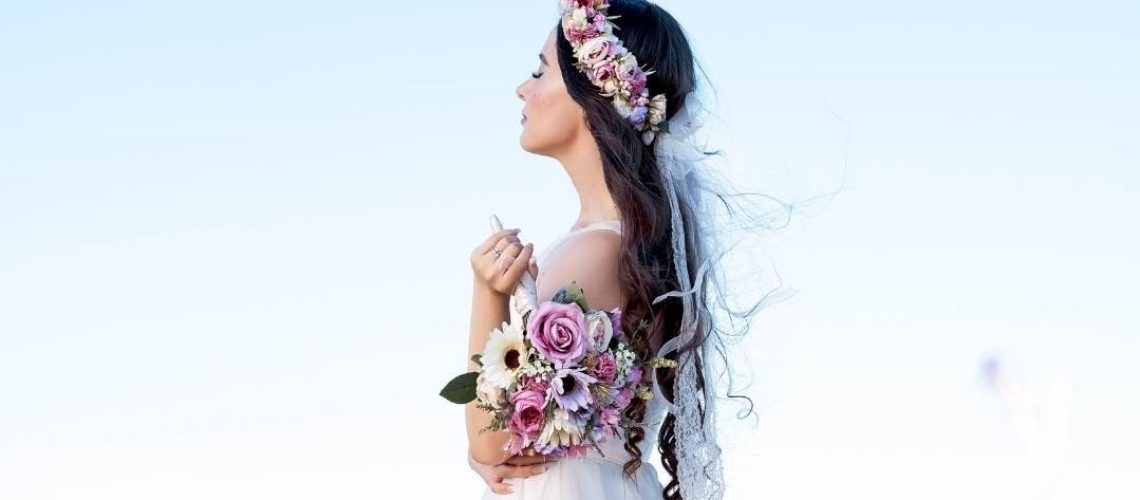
(552, 117)
(552, 109)
(541, 99)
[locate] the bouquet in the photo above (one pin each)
(558, 376)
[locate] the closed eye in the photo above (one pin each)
(536, 74)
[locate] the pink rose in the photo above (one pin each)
(558, 332)
(594, 51)
(602, 72)
(529, 414)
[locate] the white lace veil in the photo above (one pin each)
(690, 184)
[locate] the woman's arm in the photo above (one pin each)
(590, 260)
(488, 311)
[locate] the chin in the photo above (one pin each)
(528, 145)
(523, 143)
(542, 145)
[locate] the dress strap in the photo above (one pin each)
(611, 224)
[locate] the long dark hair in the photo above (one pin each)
(636, 182)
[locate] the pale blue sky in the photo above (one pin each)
(235, 236)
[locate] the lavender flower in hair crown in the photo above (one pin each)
(611, 67)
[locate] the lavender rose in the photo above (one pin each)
(558, 332)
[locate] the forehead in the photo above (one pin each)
(548, 47)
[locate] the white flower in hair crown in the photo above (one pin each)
(611, 67)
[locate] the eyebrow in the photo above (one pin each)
(542, 57)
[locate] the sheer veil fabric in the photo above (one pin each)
(692, 187)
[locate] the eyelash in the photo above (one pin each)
(535, 74)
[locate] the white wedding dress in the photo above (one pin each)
(593, 476)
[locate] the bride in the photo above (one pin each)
(617, 107)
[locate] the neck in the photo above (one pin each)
(583, 162)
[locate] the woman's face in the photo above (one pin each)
(551, 119)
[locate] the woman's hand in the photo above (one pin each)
(516, 466)
(500, 261)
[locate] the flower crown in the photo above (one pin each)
(610, 66)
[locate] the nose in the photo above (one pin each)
(519, 91)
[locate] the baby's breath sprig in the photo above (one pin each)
(658, 362)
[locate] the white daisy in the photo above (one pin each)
(563, 430)
(503, 355)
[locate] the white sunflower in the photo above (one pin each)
(504, 355)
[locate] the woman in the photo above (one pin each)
(615, 106)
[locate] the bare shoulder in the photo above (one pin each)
(590, 259)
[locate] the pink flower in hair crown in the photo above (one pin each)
(600, 55)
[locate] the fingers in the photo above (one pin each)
(508, 255)
(501, 487)
(504, 243)
(492, 265)
(508, 471)
(518, 266)
(495, 237)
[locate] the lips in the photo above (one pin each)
(523, 118)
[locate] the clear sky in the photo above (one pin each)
(234, 240)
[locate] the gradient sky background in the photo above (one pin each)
(235, 234)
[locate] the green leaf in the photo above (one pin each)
(664, 126)
(461, 389)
